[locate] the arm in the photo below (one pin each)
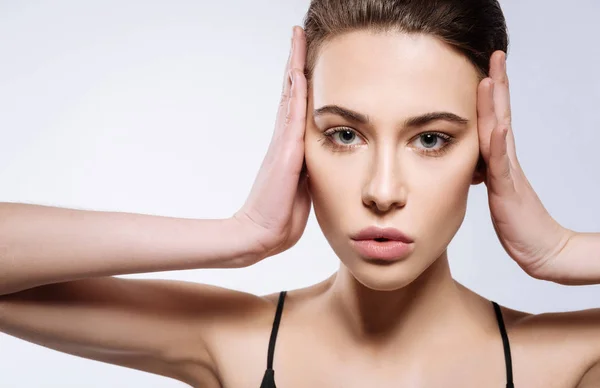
(577, 263)
(166, 327)
(41, 245)
(56, 288)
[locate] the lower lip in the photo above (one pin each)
(384, 250)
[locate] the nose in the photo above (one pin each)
(385, 187)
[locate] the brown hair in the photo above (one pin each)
(476, 28)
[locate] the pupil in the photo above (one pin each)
(431, 139)
(344, 137)
(347, 133)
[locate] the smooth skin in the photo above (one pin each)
(407, 324)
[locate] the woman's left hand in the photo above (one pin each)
(525, 228)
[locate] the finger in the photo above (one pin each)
(295, 119)
(283, 105)
(486, 116)
(502, 100)
(501, 89)
(499, 170)
(296, 61)
(285, 88)
(299, 58)
(289, 148)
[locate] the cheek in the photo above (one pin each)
(329, 186)
(333, 186)
(442, 197)
(445, 196)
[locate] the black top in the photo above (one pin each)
(269, 377)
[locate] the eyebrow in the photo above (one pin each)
(414, 121)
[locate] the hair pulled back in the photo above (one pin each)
(476, 28)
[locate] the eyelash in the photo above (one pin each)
(449, 141)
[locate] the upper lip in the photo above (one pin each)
(373, 232)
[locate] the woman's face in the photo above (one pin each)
(384, 171)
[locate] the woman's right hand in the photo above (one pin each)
(279, 203)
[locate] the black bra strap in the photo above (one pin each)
(505, 343)
(275, 329)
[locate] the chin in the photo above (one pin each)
(385, 277)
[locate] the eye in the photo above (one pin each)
(434, 143)
(340, 138)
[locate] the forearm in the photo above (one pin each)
(578, 263)
(42, 244)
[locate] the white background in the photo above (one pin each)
(167, 108)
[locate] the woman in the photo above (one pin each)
(395, 116)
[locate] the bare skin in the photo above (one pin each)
(406, 324)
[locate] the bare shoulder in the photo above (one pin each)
(166, 327)
(569, 340)
(580, 327)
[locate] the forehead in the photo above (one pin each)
(391, 74)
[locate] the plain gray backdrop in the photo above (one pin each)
(167, 108)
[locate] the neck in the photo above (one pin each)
(431, 306)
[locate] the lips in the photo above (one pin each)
(388, 244)
(382, 234)
(391, 250)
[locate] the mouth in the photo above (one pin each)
(382, 244)
(381, 239)
(374, 233)
(382, 249)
